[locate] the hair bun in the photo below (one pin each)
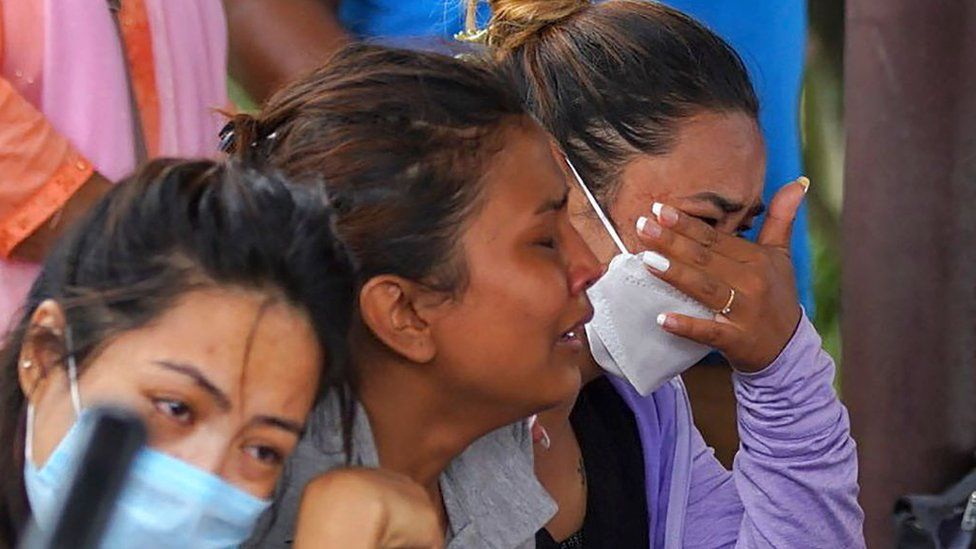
(516, 22)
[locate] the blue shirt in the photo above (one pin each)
(770, 37)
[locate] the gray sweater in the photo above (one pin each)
(491, 493)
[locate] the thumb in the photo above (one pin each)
(778, 227)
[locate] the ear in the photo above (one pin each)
(42, 350)
(399, 312)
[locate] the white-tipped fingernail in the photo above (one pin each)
(656, 209)
(662, 319)
(641, 222)
(805, 182)
(656, 261)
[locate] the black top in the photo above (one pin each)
(616, 502)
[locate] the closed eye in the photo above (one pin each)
(549, 243)
(710, 221)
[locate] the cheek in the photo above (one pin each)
(628, 208)
(506, 316)
(52, 420)
(529, 297)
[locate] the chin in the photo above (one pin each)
(561, 387)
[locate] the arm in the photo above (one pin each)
(794, 482)
(272, 42)
(714, 512)
(41, 175)
(797, 470)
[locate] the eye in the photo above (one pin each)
(175, 409)
(549, 243)
(266, 455)
(710, 221)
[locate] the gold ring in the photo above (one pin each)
(728, 306)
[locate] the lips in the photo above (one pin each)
(574, 335)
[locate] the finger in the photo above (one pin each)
(676, 246)
(694, 282)
(778, 227)
(711, 333)
(730, 246)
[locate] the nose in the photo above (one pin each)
(203, 450)
(583, 267)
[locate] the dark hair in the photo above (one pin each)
(173, 227)
(402, 139)
(614, 79)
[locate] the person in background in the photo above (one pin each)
(660, 123)
(471, 280)
(220, 332)
(87, 91)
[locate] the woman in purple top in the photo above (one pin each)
(658, 115)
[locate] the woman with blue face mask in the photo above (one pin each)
(207, 299)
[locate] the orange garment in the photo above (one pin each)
(39, 169)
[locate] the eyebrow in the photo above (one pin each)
(223, 402)
(729, 206)
(201, 380)
(553, 205)
(280, 423)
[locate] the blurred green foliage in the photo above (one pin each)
(823, 139)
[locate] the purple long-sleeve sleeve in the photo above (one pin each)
(794, 481)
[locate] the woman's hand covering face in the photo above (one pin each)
(709, 266)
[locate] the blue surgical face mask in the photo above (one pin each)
(165, 503)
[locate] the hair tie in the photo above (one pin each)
(473, 36)
(226, 137)
(229, 132)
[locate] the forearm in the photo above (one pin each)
(45, 183)
(796, 470)
(273, 42)
(39, 243)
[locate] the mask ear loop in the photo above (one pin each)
(75, 398)
(599, 211)
(72, 372)
(29, 435)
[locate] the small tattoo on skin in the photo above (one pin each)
(581, 469)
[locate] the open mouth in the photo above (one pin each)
(572, 335)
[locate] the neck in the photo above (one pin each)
(417, 427)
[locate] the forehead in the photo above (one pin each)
(244, 343)
(721, 153)
(523, 174)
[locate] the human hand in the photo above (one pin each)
(751, 286)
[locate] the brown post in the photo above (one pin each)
(909, 231)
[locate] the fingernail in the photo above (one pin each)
(650, 229)
(805, 182)
(665, 214)
(656, 261)
(665, 320)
